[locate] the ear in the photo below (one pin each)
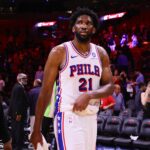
(73, 29)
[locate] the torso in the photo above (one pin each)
(79, 74)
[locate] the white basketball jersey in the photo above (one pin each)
(80, 74)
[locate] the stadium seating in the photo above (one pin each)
(144, 137)
(130, 128)
(111, 130)
(125, 114)
(100, 124)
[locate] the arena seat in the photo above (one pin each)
(106, 113)
(125, 114)
(144, 137)
(100, 124)
(130, 127)
(111, 130)
(139, 115)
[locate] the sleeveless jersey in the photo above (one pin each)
(80, 74)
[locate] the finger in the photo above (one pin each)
(35, 145)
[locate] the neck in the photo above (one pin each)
(83, 47)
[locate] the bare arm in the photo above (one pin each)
(106, 85)
(108, 106)
(50, 74)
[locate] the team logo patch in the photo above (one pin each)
(93, 54)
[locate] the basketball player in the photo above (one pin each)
(84, 77)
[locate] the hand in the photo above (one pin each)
(36, 137)
(105, 107)
(7, 145)
(81, 102)
(18, 117)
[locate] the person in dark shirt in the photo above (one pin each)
(4, 134)
(18, 110)
(138, 104)
(33, 96)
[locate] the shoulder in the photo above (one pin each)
(101, 50)
(103, 55)
(57, 54)
(18, 86)
(58, 50)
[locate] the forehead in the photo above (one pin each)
(117, 87)
(84, 17)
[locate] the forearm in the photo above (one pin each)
(42, 103)
(102, 92)
(110, 105)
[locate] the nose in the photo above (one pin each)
(84, 26)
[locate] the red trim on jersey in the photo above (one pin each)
(59, 103)
(77, 51)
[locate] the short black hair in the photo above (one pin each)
(84, 11)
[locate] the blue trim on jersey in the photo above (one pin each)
(59, 130)
(57, 104)
(57, 100)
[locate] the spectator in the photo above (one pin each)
(138, 104)
(39, 73)
(2, 83)
(107, 103)
(123, 84)
(47, 122)
(18, 109)
(4, 134)
(33, 96)
(139, 79)
(122, 61)
(119, 100)
(116, 76)
(145, 100)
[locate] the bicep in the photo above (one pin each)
(106, 76)
(51, 70)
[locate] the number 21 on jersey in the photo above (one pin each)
(85, 84)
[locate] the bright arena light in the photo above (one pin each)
(45, 24)
(113, 16)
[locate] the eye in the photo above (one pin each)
(79, 22)
(90, 23)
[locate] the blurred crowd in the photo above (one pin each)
(128, 49)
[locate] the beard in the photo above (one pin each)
(82, 38)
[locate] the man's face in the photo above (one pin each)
(117, 90)
(24, 80)
(83, 28)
